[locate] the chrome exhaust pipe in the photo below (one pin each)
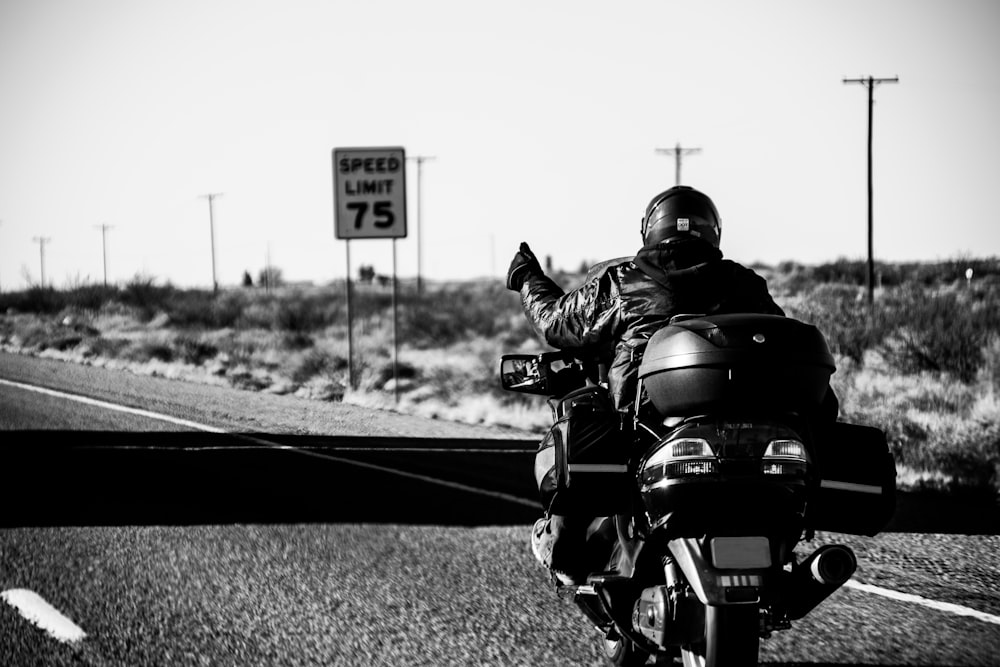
(815, 578)
(832, 565)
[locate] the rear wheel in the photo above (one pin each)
(732, 638)
(622, 651)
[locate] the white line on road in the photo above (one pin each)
(33, 607)
(324, 448)
(948, 607)
(273, 445)
(112, 406)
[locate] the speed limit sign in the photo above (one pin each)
(369, 187)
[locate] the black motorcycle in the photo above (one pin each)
(731, 458)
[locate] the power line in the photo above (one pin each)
(41, 241)
(104, 247)
(211, 223)
(870, 83)
(420, 159)
(678, 153)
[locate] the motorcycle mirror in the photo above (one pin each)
(522, 373)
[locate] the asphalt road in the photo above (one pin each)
(302, 543)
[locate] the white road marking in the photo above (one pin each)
(948, 607)
(112, 406)
(34, 608)
(324, 448)
(273, 445)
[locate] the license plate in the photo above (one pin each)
(741, 553)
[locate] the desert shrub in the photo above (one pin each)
(843, 315)
(149, 350)
(383, 372)
(190, 308)
(850, 272)
(143, 294)
(790, 278)
(32, 334)
(294, 312)
(192, 350)
(299, 315)
(227, 309)
(105, 348)
(91, 297)
(453, 314)
(62, 342)
(296, 340)
(944, 332)
(317, 362)
(922, 274)
(35, 299)
(258, 313)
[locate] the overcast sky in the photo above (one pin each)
(542, 118)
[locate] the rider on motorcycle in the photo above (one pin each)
(679, 269)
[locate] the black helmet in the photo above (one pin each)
(681, 213)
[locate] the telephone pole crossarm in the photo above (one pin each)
(41, 241)
(677, 152)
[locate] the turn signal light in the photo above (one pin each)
(785, 457)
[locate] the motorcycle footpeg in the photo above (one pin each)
(605, 579)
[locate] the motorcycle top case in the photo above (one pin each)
(581, 466)
(856, 493)
(744, 361)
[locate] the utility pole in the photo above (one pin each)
(104, 247)
(420, 159)
(677, 152)
(870, 83)
(211, 223)
(41, 241)
(267, 270)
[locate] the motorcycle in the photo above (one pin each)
(730, 459)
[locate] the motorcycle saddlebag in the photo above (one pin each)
(857, 488)
(581, 466)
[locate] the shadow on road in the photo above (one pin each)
(157, 478)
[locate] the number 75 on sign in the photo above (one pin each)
(369, 187)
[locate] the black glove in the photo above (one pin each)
(524, 264)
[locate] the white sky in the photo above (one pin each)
(542, 116)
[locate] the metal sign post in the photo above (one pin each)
(369, 186)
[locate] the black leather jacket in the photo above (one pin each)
(623, 302)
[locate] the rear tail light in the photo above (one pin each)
(683, 457)
(785, 457)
